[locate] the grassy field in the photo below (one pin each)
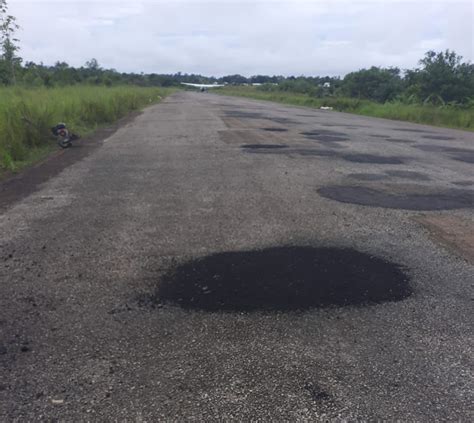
(439, 116)
(26, 116)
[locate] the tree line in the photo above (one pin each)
(442, 78)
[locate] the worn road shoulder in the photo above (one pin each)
(20, 185)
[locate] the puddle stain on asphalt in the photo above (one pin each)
(283, 279)
(442, 200)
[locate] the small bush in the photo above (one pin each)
(7, 160)
(452, 116)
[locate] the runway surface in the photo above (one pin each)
(220, 258)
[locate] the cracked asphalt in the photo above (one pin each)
(82, 254)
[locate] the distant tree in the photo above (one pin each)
(63, 74)
(301, 85)
(10, 62)
(442, 77)
(93, 65)
(263, 79)
(377, 84)
(234, 79)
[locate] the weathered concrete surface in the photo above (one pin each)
(82, 256)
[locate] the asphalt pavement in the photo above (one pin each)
(219, 258)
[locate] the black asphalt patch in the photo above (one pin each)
(441, 200)
(438, 137)
(357, 158)
(332, 144)
(289, 151)
(319, 132)
(325, 135)
(464, 157)
(283, 279)
(420, 131)
(354, 157)
(442, 149)
(344, 125)
(327, 138)
(408, 174)
(463, 183)
(372, 158)
(316, 393)
(263, 146)
(367, 176)
(461, 154)
(275, 129)
(244, 115)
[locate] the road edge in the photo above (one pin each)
(16, 186)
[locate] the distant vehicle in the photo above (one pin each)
(203, 87)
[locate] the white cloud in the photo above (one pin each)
(248, 37)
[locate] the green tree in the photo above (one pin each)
(377, 84)
(93, 65)
(443, 77)
(235, 79)
(9, 62)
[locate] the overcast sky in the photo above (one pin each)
(288, 37)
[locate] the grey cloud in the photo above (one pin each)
(216, 38)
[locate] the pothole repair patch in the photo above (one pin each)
(272, 129)
(283, 279)
(441, 200)
(372, 158)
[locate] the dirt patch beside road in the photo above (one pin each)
(451, 231)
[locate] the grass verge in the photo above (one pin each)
(26, 116)
(450, 117)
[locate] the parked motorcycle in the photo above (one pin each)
(64, 137)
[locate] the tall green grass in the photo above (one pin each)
(26, 115)
(450, 117)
